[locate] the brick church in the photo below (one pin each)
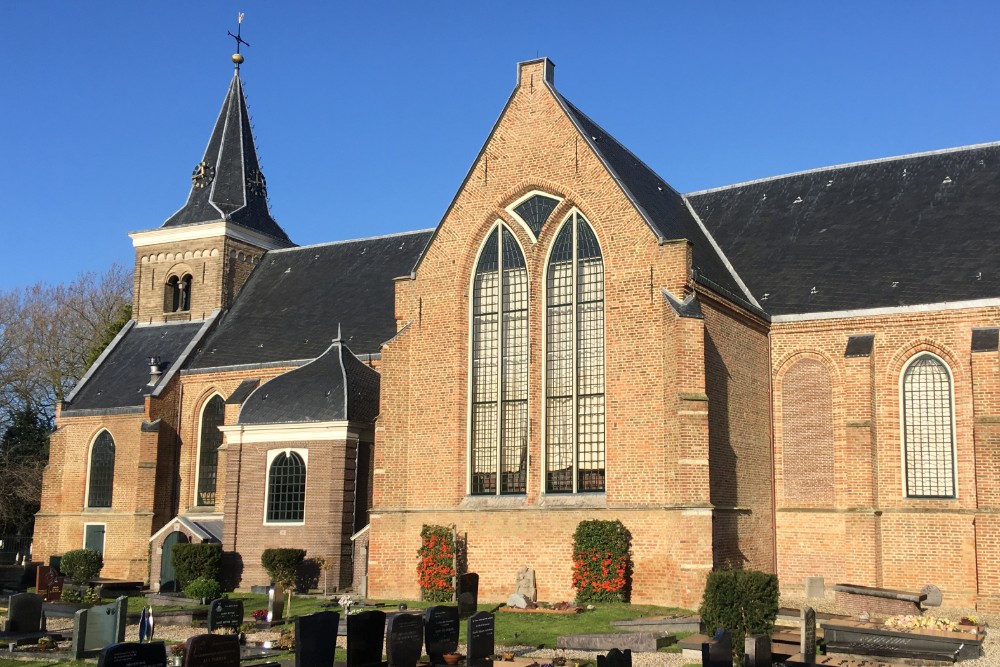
(797, 374)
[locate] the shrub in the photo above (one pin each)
(436, 568)
(601, 567)
(81, 565)
(203, 588)
(192, 561)
(282, 564)
(744, 602)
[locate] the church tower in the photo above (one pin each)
(198, 260)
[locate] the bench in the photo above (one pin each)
(860, 599)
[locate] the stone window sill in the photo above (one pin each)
(573, 500)
(494, 502)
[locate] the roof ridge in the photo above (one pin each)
(358, 240)
(846, 165)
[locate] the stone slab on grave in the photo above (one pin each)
(440, 632)
(638, 642)
(757, 651)
(133, 654)
(24, 613)
(316, 639)
(468, 594)
(404, 640)
(874, 639)
(225, 613)
(98, 627)
(718, 651)
(365, 639)
(660, 624)
(481, 639)
(212, 651)
(615, 658)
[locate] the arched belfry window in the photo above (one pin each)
(574, 361)
(101, 480)
(177, 294)
(212, 417)
(928, 429)
(286, 488)
(500, 367)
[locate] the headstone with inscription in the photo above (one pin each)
(212, 651)
(480, 635)
(615, 658)
(316, 639)
(718, 652)
(807, 636)
(404, 640)
(365, 637)
(225, 613)
(440, 632)
(468, 594)
(275, 603)
(131, 654)
(24, 613)
(757, 651)
(98, 627)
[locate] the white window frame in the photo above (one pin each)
(524, 225)
(271, 455)
(902, 427)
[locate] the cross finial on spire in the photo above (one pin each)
(237, 58)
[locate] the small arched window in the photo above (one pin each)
(212, 417)
(286, 488)
(177, 294)
(101, 480)
(928, 429)
(184, 293)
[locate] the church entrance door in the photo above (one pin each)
(168, 576)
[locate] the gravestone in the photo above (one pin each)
(225, 613)
(615, 658)
(807, 636)
(24, 613)
(757, 651)
(815, 587)
(480, 635)
(404, 640)
(468, 594)
(718, 652)
(440, 632)
(365, 635)
(316, 639)
(212, 651)
(526, 583)
(275, 603)
(933, 593)
(132, 654)
(98, 627)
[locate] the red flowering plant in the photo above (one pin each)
(436, 567)
(602, 570)
(259, 614)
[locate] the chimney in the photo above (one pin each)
(154, 371)
(534, 72)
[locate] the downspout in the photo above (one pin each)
(175, 499)
(770, 412)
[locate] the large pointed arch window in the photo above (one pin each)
(500, 367)
(212, 417)
(101, 480)
(574, 361)
(928, 429)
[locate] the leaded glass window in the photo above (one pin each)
(928, 429)
(212, 417)
(574, 361)
(102, 471)
(286, 488)
(535, 210)
(500, 368)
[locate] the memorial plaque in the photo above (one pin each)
(132, 654)
(719, 651)
(24, 613)
(615, 658)
(480, 633)
(365, 637)
(404, 640)
(440, 631)
(468, 594)
(807, 637)
(757, 651)
(225, 613)
(98, 627)
(316, 639)
(212, 651)
(275, 603)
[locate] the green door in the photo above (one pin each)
(93, 537)
(168, 578)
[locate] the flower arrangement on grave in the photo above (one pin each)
(601, 564)
(911, 622)
(177, 651)
(436, 567)
(346, 601)
(259, 614)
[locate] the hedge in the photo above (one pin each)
(282, 564)
(81, 565)
(744, 602)
(195, 560)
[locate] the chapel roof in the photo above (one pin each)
(916, 229)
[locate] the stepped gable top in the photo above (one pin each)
(228, 184)
(120, 378)
(295, 297)
(334, 387)
(916, 229)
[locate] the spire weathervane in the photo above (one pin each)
(237, 58)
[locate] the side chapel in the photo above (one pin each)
(797, 374)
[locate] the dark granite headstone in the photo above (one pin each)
(440, 632)
(365, 636)
(757, 651)
(225, 613)
(275, 603)
(615, 658)
(480, 633)
(316, 639)
(98, 627)
(468, 594)
(24, 613)
(404, 640)
(718, 652)
(133, 655)
(807, 636)
(212, 651)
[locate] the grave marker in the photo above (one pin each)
(98, 627)
(365, 636)
(468, 594)
(807, 637)
(404, 640)
(718, 652)
(212, 651)
(757, 651)
(440, 631)
(131, 654)
(24, 613)
(615, 658)
(480, 634)
(316, 639)
(275, 603)
(225, 613)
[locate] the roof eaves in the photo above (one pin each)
(182, 357)
(738, 299)
(346, 241)
(280, 363)
(722, 255)
(100, 360)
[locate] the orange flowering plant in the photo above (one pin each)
(436, 567)
(602, 570)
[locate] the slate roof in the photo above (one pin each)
(234, 187)
(916, 229)
(121, 379)
(334, 387)
(293, 302)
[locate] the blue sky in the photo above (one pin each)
(369, 114)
